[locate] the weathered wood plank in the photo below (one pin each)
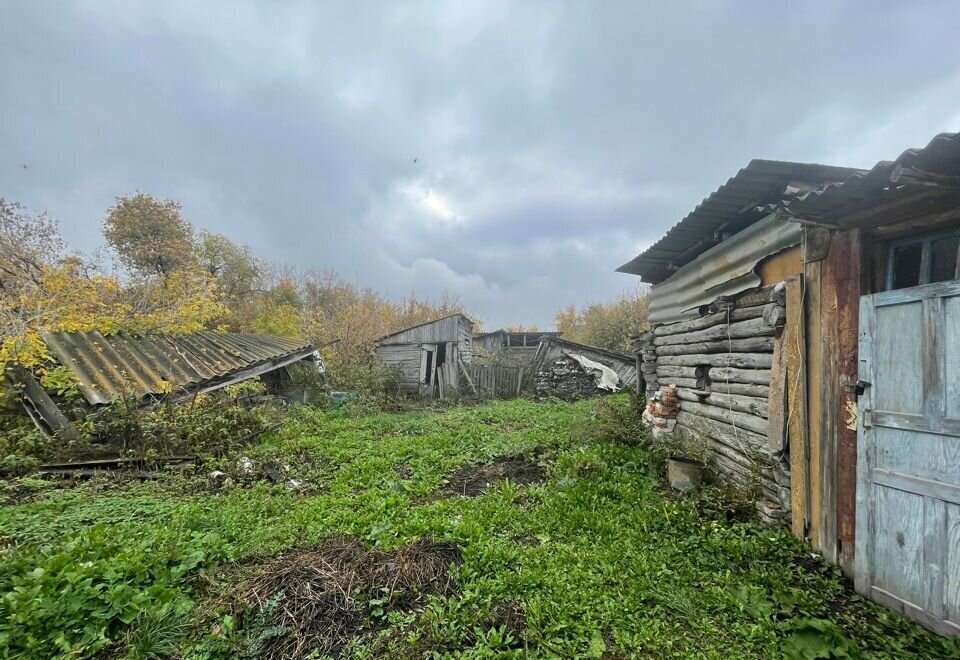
(681, 372)
(738, 438)
(737, 360)
(735, 375)
(708, 321)
(745, 404)
(741, 420)
(747, 345)
(811, 278)
(795, 344)
(746, 389)
(848, 313)
(689, 383)
(757, 327)
(829, 397)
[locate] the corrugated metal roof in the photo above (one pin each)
(726, 269)
(110, 366)
(915, 170)
(734, 206)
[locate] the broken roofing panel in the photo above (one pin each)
(740, 202)
(726, 269)
(934, 168)
(109, 366)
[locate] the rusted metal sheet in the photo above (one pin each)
(110, 366)
(741, 201)
(726, 269)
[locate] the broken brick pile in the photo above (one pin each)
(662, 409)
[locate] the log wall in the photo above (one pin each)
(722, 365)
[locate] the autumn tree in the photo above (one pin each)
(608, 325)
(235, 267)
(148, 235)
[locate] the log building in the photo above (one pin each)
(809, 317)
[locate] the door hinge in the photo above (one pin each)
(867, 419)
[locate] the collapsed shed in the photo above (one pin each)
(107, 367)
(809, 319)
(427, 359)
(570, 370)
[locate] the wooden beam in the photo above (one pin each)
(737, 360)
(745, 345)
(708, 321)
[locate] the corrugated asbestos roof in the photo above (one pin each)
(936, 165)
(734, 206)
(111, 366)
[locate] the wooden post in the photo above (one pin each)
(466, 375)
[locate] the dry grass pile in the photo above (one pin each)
(318, 600)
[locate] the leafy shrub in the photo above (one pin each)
(76, 597)
(210, 426)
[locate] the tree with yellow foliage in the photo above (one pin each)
(607, 325)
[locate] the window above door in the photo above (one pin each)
(923, 260)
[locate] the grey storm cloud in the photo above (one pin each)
(515, 153)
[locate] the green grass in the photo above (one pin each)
(598, 558)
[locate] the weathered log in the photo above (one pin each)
(708, 321)
(689, 383)
(738, 438)
(741, 420)
(745, 404)
(735, 375)
(648, 367)
(761, 391)
(734, 464)
(774, 315)
(756, 297)
(737, 360)
(682, 372)
(757, 327)
(748, 345)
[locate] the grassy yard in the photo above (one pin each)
(387, 548)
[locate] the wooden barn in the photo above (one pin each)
(806, 328)
(428, 359)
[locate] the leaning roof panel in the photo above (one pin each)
(110, 366)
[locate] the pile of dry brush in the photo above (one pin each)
(317, 600)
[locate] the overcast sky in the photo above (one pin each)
(515, 153)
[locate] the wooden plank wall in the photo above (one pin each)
(795, 357)
(832, 296)
(501, 382)
(847, 255)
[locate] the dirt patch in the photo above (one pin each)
(471, 480)
(317, 600)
